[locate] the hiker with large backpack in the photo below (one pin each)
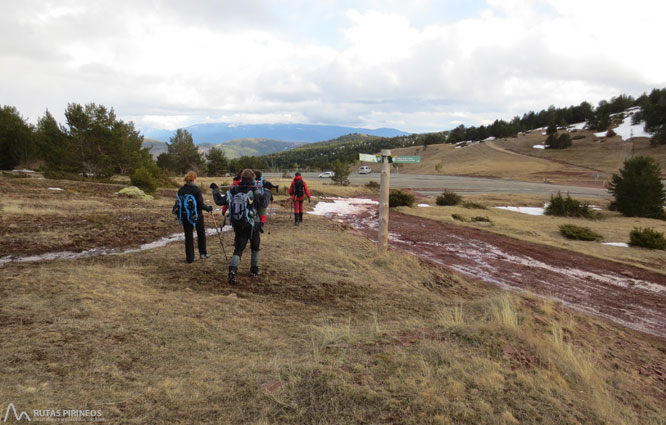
(242, 204)
(189, 208)
(298, 190)
(266, 189)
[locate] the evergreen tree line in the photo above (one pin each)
(94, 142)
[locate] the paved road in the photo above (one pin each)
(434, 184)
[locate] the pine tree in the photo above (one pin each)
(638, 189)
(217, 162)
(183, 154)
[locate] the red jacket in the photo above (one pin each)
(305, 189)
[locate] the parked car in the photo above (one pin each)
(326, 174)
(364, 170)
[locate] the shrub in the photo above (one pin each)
(562, 141)
(611, 133)
(142, 179)
(481, 219)
(458, 217)
(448, 198)
(567, 207)
(64, 175)
(580, 233)
(398, 198)
(647, 238)
(342, 171)
(473, 206)
(638, 189)
(372, 185)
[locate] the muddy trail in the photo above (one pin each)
(630, 296)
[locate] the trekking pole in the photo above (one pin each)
(219, 235)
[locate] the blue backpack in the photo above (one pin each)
(187, 208)
(241, 209)
(260, 184)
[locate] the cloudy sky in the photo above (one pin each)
(416, 65)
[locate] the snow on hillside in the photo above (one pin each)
(626, 130)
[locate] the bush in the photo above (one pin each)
(647, 238)
(473, 206)
(580, 233)
(481, 219)
(562, 141)
(567, 207)
(458, 217)
(638, 189)
(342, 171)
(398, 198)
(64, 175)
(142, 179)
(448, 198)
(372, 185)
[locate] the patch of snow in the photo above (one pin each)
(578, 126)
(489, 139)
(424, 205)
(24, 170)
(342, 206)
(55, 188)
(626, 130)
(543, 133)
(68, 255)
(525, 210)
(540, 146)
(620, 244)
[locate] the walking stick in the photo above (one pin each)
(219, 235)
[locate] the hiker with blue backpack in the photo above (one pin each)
(189, 207)
(243, 202)
(266, 189)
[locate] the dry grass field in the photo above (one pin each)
(515, 158)
(331, 333)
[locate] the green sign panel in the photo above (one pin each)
(364, 157)
(406, 159)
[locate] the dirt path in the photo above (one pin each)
(627, 295)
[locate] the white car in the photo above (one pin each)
(326, 174)
(364, 170)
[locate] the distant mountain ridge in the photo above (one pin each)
(232, 148)
(218, 133)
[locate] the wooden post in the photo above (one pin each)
(382, 240)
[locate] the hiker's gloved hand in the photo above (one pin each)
(277, 188)
(213, 186)
(208, 208)
(308, 200)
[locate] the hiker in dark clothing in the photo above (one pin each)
(190, 188)
(298, 190)
(247, 227)
(266, 188)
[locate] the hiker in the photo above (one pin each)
(236, 180)
(242, 202)
(298, 190)
(193, 217)
(263, 184)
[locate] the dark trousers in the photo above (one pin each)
(189, 238)
(242, 235)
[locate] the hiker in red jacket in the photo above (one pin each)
(298, 190)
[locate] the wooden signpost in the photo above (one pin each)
(386, 159)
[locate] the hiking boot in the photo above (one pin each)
(232, 276)
(204, 256)
(255, 271)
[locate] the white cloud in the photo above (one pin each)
(169, 63)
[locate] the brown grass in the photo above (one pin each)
(332, 332)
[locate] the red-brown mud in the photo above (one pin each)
(627, 295)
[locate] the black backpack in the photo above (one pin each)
(241, 209)
(299, 188)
